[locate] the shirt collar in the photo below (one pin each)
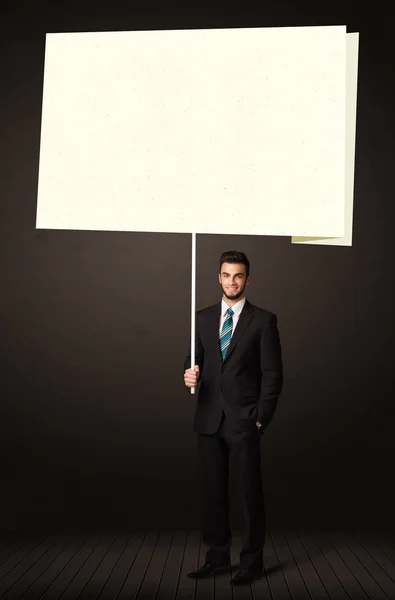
(237, 308)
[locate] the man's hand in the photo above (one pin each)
(191, 376)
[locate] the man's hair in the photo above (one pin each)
(235, 257)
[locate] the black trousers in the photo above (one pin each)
(214, 453)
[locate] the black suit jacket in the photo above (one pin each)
(248, 383)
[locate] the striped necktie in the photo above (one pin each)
(226, 333)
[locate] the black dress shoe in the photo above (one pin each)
(246, 576)
(208, 570)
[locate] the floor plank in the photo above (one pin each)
(386, 546)
(323, 567)
(9, 549)
(136, 574)
(99, 577)
(347, 578)
(155, 565)
(122, 567)
(366, 579)
(187, 587)
(292, 574)
(377, 553)
(172, 568)
(311, 578)
(371, 565)
(46, 579)
(17, 553)
(29, 576)
(277, 583)
(73, 562)
(24, 560)
(8, 539)
(85, 572)
(153, 575)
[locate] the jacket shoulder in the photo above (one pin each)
(207, 310)
(265, 315)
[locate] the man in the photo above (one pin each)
(239, 371)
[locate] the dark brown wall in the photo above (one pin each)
(95, 422)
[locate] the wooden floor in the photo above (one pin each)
(154, 565)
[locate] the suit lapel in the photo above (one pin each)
(244, 319)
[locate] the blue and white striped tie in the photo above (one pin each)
(226, 333)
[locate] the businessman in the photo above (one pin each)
(238, 368)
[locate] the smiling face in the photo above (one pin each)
(233, 280)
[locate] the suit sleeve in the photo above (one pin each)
(199, 352)
(271, 370)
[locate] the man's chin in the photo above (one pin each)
(233, 296)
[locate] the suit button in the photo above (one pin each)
(223, 370)
(222, 390)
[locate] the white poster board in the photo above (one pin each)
(229, 131)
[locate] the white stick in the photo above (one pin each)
(193, 304)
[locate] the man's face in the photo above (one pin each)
(233, 280)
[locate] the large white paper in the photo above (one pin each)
(351, 117)
(232, 131)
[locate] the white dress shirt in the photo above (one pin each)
(237, 308)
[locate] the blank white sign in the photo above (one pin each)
(232, 131)
(351, 117)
